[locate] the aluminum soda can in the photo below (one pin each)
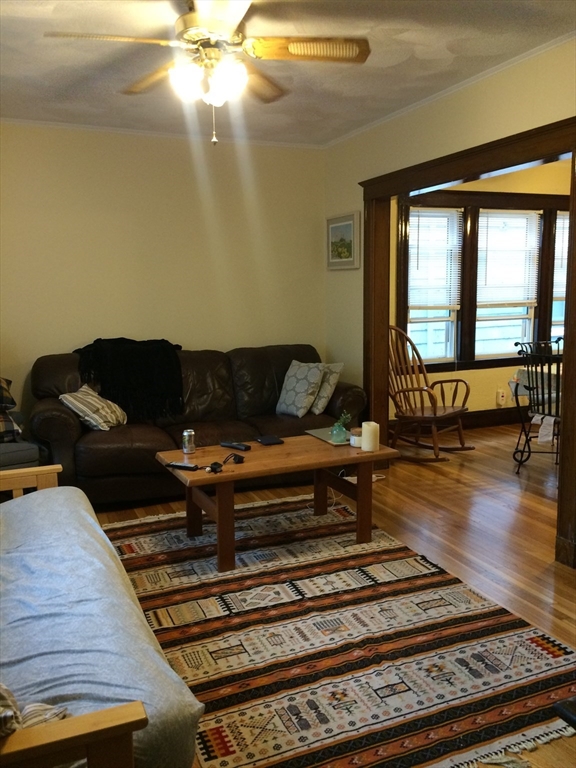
(188, 445)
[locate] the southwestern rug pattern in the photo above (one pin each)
(318, 651)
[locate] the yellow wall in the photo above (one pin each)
(548, 179)
(534, 92)
(110, 234)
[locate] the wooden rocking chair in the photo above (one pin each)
(423, 408)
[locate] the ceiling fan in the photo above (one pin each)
(211, 41)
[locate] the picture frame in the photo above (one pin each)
(343, 241)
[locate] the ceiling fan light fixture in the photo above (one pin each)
(226, 82)
(186, 80)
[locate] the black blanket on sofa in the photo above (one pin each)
(142, 377)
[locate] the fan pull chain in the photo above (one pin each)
(214, 139)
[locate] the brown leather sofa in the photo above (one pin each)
(227, 396)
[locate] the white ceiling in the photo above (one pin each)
(420, 48)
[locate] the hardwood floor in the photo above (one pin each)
(483, 523)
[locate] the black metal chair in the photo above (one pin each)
(540, 381)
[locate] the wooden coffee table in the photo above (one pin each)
(295, 454)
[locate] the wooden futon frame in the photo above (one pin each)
(104, 738)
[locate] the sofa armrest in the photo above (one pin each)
(103, 738)
(59, 428)
(350, 398)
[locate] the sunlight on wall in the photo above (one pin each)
(498, 106)
(108, 234)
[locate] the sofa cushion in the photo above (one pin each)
(330, 375)
(94, 411)
(18, 455)
(289, 426)
(213, 432)
(207, 388)
(259, 373)
(301, 385)
(126, 450)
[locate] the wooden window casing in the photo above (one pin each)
(545, 141)
(472, 203)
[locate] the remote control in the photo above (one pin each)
(236, 446)
(182, 465)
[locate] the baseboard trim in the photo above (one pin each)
(566, 552)
(495, 417)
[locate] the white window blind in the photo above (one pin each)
(434, 258)
(561, 255)
(508, 252)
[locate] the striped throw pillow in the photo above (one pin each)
(11, 718)
(93, 410)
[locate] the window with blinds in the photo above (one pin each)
(560, 266)
(507, 280)
(434, 267)
(477, 269)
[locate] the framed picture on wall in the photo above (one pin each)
(343, 241)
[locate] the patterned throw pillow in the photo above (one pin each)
(6, 400)
(93, 410)
(9, 430)
(301, 385)
(10, 719)
(330, 378)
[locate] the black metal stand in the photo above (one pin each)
(543, 377)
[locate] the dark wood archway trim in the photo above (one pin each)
(543, 142)
(537, 144)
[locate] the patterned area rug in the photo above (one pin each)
(318, 651)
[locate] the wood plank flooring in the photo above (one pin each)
(483, 523)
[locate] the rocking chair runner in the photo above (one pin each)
(420, 405)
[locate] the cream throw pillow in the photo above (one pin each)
(301, 385)
(93, 410)
(330, 377)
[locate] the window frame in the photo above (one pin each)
(451, 255)
(471, 203)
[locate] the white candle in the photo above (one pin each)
(370, 436)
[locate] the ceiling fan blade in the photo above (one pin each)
(353, 50)
(149, 80)
(222, 16)
(116, 38)
(261, 86)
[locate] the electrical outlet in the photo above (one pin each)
(500, 397)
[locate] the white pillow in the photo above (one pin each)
(330, 378)
(93, 410)
(301, 385)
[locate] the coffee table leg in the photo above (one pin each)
(226, 556)
(364, 503)
(320, 492)
(193, 514)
